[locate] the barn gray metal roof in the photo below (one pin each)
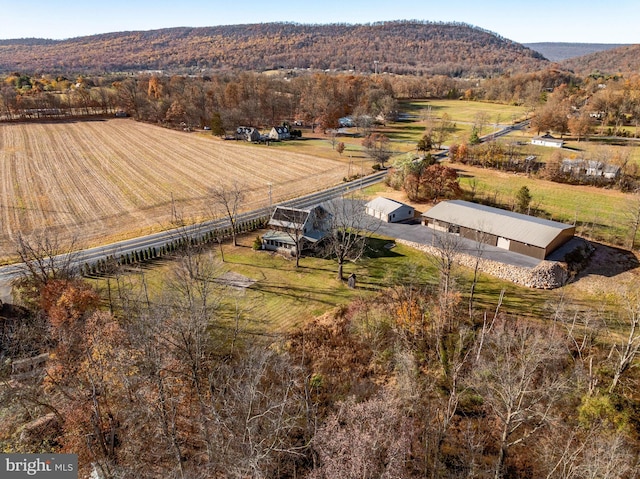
(507, 224)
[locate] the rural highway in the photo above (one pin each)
(158, 240)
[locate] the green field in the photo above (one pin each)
(599, 213)
(284, 297)
(461, 112)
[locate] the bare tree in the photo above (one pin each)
(480, 246)
(229, 199)
(448, 246)
(480, 120)
(632, 216)
(44, 260)
(626, 351)
(350, 229)
(363, 441)
(378, 148)
(520, 378)
(579, 453)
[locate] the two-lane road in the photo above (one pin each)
(163, 238)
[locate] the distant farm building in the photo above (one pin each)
(547, 140)
(290, 227)
(388, 210)
(279, 133)
(528, 235)
(592, 168)
(247, 133)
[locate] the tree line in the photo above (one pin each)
(401, 47)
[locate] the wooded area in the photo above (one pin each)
(402, 47)
(416, 380)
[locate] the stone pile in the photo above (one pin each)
(546, 275)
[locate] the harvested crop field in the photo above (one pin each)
(100, 181)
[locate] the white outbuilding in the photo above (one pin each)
(547, 140)
(388, 210)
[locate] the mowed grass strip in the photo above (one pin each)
(284, 297)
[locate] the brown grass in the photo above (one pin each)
(105, 180)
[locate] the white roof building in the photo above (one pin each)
(547, 140)
(388, 210)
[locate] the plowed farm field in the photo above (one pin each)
(94, 182)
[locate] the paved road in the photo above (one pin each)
(158, 240)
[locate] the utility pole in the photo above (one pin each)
(173, 209)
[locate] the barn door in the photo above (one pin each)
(504, 243)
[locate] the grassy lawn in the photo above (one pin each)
(462, 113)
(466, 111)
(284, 297)
(599, 213)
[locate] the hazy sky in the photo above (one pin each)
(587, 21)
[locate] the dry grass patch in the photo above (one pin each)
(98, 181)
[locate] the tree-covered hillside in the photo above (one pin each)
(399, 47)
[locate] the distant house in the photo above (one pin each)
(547, 140)
(388, 210)
(279, 133)
(346, 122)
(573, 167)
(247, 133)
(591, 168)
(293, 227)
(528, 235)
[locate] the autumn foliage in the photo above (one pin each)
(433, 183)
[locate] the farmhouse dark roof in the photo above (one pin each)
(507, 224)
(290, 215)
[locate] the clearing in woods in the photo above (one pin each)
(99, 181)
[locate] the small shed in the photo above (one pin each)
(388, 210)
(547, 140)
(524, 234)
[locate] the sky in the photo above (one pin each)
(582, 21)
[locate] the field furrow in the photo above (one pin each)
(99, 181)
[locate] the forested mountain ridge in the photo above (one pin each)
(624, 59)
(398, 47)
